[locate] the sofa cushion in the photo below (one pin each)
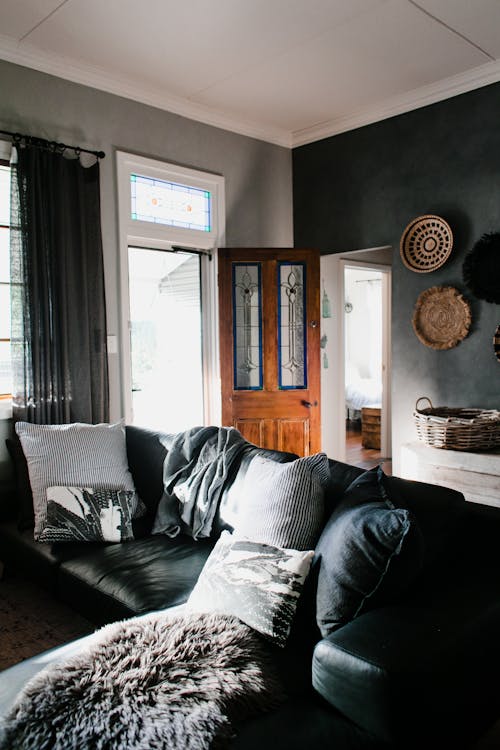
(88, 515)
(76, 455)
(282, 504)
(146, 451)
(417, 675)
(258, 583)
(229, 508)
(369, 552)
(119, 580)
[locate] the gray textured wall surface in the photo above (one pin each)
(258, 177)
(361, 189)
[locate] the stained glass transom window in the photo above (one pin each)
(247, 326)
(163, 202)
(291, 325)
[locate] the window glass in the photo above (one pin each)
(163, 202)
(165, 339)
(291, 325)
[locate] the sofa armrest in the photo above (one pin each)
(407, 674)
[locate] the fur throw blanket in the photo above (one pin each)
(177, 683)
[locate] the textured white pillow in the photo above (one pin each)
(283, 504)
(73, 455)
(256, 582)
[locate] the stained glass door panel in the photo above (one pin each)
(269, 309)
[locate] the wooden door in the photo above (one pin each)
(269, 308)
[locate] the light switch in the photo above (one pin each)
(113, 344)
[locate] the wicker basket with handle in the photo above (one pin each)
(457, 429)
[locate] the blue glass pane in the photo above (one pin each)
(292, 369)
(247, 326)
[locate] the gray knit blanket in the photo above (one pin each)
(195, 471)
(176, 684)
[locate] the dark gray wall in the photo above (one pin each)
(361, 189)
(258, 177)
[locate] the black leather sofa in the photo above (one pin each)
(419, 671)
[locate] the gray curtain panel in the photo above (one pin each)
(59, 354)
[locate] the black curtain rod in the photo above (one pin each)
(51, 145)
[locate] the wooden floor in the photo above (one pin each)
(366, 458)
(32, 621)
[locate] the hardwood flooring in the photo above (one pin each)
(366, 458)
(32, 620)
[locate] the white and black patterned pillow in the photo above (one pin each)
(258, 583)
(283, 504)
(73, 455)
(86, 514)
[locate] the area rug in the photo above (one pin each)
(156, 682)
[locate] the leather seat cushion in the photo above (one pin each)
(433, 670)
(119, 580)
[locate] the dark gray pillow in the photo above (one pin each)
(369, 552)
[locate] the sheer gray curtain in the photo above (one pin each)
(59, 354)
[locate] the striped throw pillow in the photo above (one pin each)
(283, 504)
(73, 455)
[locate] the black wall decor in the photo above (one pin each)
(481, 269)
(360, 189)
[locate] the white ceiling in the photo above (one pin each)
(285, 71)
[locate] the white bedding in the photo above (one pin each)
(360, 391)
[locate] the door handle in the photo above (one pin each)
(309, 404)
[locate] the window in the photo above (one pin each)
(5, 361)
(166, 358)
(171, 220)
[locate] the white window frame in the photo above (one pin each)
(136, 233)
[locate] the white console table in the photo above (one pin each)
(476, 475)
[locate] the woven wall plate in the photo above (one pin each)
(496, 343)
(426, 243)
(442, 317)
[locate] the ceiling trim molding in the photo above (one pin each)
(31, 57)
(480, 76)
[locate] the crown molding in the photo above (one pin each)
(87, 75)
(31, 57)
(477, 77)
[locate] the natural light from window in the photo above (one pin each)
(165, 339)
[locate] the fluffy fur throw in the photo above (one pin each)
(149, 683)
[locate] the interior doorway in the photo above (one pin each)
(355, 339)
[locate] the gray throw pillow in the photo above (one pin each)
(258, 583)
(368, 553)
(73, 455)
(86, 514)
(283, 504)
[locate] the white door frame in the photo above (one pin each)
(159, 236)
(333, 386)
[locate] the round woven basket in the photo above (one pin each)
(457, 429)
(426, 243)
(442, 317)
